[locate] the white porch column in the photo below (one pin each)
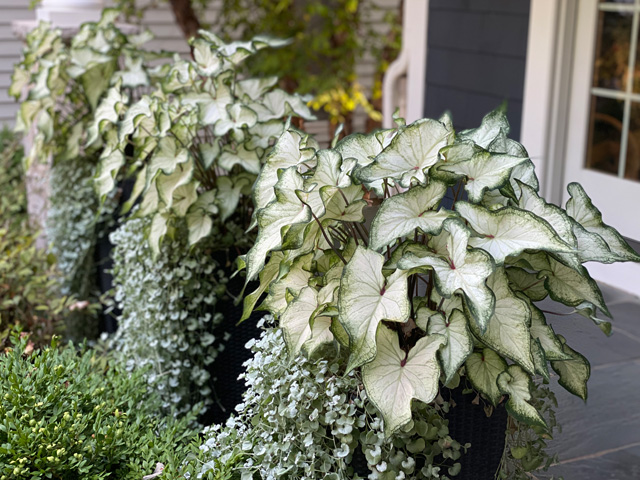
(64, 13)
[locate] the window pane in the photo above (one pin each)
(612, 50)
(632, 164)
(605, 133)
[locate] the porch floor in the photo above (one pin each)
(600, 440)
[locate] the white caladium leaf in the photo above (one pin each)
(555, 216)
(591, 246)
(394, 377)
(286, 209)
(199, 222)
(580, 207)
(539, 359)
(279, 104)
(509, 231)
(459, 342)
(410, 154)
(166, 157)
(291, 282)
(208, 61)
(133, 116)
(401, 214)
(483, 171)
(344, 207)
(292, 149)
(572, 287)
(263, 134)
(544, 333)
(239, 116)
(527, 282)
(493, 124)
(157, 231)
(110, 163)
(321, 334)
(461, 269)
(588, 310)
(574, 373)
(330, 176)
(247, 159)
(483, 369)
(517, 384)
(366, 298)
(267, 275)
(183, 197)
(508, 329)
(167, 184)
(229, 191)
(361, 147)
(254, 88)
(295, 320)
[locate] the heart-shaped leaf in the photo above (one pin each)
(517, 384)
(459, 342)
(483, 369)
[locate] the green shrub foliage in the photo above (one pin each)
(62, 416)
(168, 317)
(305, 419)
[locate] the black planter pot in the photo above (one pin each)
(468, 423)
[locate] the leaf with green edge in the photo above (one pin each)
(555, 216)
(150, 202)
(166, 157)
(591, 246)
(96, 79)
(366, 298)
(588, 310)
(573, 373)
(461, 269)
(249, 160)
(337, 210)
(199, 224)
(509, 231)
(295, 320)
(262, 134)
(410, 154)
(544, 333)
(293, 281)
(483, 171)
(267, 275)
(493, 124)
(539, 359)
(527, 282)
(400, 215)
(580, 208)
(109, 164)
(508, 329)
(239, 116)
(157, 231)
(278, 104)
(459, 343)
(361, 147)
(321, 334)
(254, 88)
(330, 175)
(285, 210)
(292, 149)
(572, 287)
(483, 370)
(138, 188)
(183, 197)
(229, 192)
(516, 383)
(208, 153)
(394, 378)
(167, 184)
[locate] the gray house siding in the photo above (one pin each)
(476, 59)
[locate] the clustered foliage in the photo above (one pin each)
(29, 295)
(62, 416)
(306, 419)
(168, 322)
(427, 291)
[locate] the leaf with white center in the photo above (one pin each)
(331, 174)
(462, 269)
(167, 184)
(493, 124)
(295, 320)
(394, 378)
(591, 246)
(184, 196)
(278, 104)
(555, 216)
(262, 134)
(580, 207)
(574, 373)
(410, 154)
(527, 283)
(285, 210)
(516, 383)
(483, 171)
(157, 231)
(483, 370)
(572, 287)
(588, 310)
(336, 208)
(247, 159)
(166, 157)
(208, 152)
(110, 163)
(539, 359)
(208, 61)
(508, 329)
(459, 342)
(544, 333)
(292, 149)
(509, 231)
(291, 282)
(361, 147)
(229, 191)
(320, 334)
(525, 172)
(401, 214)
(267, 275)
(366, 298)
(199, 224)
(239, 116)
(254, 88)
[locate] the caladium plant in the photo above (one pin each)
(199, 139)
(444, 278)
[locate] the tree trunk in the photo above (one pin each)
(185, 17)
